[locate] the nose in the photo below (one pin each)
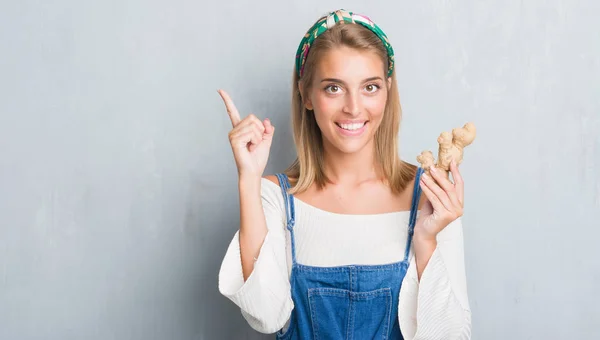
(352, 104)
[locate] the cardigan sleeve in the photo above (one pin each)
(264, 298)
(437, 306)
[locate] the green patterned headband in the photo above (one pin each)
(330, 21)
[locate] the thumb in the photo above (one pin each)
(269, 130)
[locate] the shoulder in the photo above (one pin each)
(269, 186)
(273, 202)
(271, 193)
(272, 178)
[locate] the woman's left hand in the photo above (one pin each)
(444, 204)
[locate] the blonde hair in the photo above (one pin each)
(308, 166)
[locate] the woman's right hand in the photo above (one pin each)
(250, 140)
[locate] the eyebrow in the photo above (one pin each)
(341, 81)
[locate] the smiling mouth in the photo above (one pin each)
(352, 126)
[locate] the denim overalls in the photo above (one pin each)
(345, 302)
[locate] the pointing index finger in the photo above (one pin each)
(232, 111)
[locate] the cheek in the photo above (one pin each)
(325, 108)
(375, 106)
(326, 105)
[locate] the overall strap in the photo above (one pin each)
(288, 200)
(413, 211)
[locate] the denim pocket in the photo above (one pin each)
(343, 314)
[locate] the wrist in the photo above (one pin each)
(424, 248)
(249, 182)
(424, 238)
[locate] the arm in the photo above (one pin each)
(435, 304)
(253, 226)
(263, 294)
(424, 248)
(261, 289)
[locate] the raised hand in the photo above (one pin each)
(445, 201)
(250, 140)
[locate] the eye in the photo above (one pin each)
(372, 88)
(332, 88)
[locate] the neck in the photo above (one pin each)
(354, 168)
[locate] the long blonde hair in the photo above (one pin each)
(308, 166)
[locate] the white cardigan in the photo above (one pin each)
(437, 307)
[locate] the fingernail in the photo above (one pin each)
(425, 176)
(432, 169)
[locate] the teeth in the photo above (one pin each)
(352, 127)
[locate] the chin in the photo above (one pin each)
(351, 146)
(348, 151)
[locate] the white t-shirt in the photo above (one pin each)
(437, 307)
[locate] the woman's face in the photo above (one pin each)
(348, 96)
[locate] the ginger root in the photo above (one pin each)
(451, 146)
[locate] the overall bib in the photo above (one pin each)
(345, 302)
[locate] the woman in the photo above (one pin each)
(332, 248)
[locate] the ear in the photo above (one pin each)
(389, 83)
(305, 100)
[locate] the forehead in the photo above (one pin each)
(349, 63)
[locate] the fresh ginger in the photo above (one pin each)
(451, 146)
